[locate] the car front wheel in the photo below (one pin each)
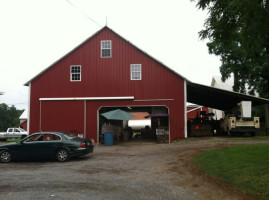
(5, 156)
(62, 155)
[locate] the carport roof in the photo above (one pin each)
(218, 98)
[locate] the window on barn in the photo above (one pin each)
(136, 72)
(106, 49)
(75, 73)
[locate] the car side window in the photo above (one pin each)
(34, 138)
(51, 137)
(56, 137)
(47, 137)
(10, 130)
(16, 130)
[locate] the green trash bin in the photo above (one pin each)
(109, 139)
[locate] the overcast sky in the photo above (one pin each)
(36, 33)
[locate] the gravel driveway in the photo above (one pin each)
(132, 170)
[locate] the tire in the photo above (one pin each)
(5, 157)
(62, 155)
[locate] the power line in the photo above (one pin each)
(11, 104)
(81, 11)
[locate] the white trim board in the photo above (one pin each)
(86, 98)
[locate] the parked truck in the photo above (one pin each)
(241, 120)
(13, 133)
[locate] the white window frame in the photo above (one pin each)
(135, 71)
(75, 73)
(110, 48)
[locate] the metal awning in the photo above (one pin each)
(218, 98)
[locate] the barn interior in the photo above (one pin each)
(129, 130)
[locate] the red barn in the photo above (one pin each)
(195, 110)
(103, 73)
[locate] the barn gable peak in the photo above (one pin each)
(89, 38)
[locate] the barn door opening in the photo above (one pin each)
(139, 128)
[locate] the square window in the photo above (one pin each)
(136, 72)
(75, 73)
(106, 47)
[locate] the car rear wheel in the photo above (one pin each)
(62, 155)
(5, 156)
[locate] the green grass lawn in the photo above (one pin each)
(13, 140)
(245, 167)
(250, 138)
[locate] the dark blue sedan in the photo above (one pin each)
(50, 145)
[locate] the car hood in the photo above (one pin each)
(9, 144)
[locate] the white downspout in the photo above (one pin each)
(40, 120)
(185, 109)
(29, 108)
(85, 116)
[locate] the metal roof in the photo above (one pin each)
(196, 93)
(219, 98)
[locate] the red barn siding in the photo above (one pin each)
(62, 115)
(105, 77)
(195, 113)
(24, 125)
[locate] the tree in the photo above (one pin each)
(9, 117)
(238, 32)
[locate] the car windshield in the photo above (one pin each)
(22, 130)
(69, 136)
(33, 138)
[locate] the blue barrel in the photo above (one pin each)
(109, 138)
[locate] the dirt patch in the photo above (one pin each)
(208, 187)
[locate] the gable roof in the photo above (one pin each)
(218, 83)
(228, 84)
(24, 115)
(102, 29)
